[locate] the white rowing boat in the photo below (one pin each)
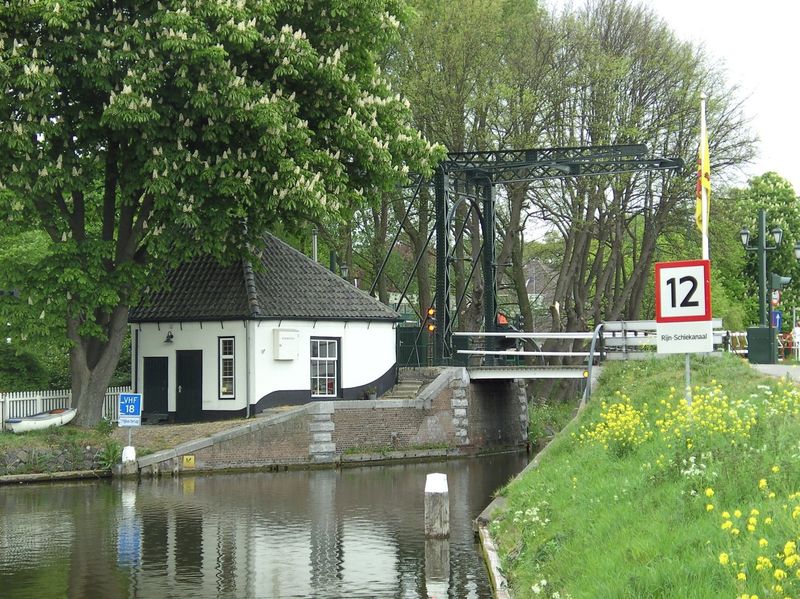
(43, 420)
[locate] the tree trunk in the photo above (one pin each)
(92, 364)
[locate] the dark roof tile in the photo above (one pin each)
(288, 285)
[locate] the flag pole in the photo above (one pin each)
(703, 168)
(703, 188)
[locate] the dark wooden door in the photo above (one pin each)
(156, 372)
(188, 385)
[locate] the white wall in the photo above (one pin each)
(187, 336)
(368, 350)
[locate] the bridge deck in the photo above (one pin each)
(477, 373)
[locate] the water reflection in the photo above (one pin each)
(322, 534)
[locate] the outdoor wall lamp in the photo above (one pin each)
(169, 337)
(345, 271)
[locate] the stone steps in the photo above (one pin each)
(408, 389)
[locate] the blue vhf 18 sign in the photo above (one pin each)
(130, 409)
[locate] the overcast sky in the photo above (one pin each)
(759, 43)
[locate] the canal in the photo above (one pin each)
(349, 533)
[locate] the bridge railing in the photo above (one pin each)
(636, 339)
(612, 340)
(581, 370)
(517, 351)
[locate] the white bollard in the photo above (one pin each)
(128, 454)
(437, 506)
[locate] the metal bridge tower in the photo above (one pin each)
(481, 172)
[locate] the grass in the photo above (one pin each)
(61, 436)
(633, 502)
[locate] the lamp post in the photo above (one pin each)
(762, 248)
(761, 342)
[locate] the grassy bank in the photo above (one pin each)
(54, 437)
(642, 496)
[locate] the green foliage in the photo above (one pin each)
(137, 136)
(775, 195)
(105, 427)
(19, 370)
(546, 419)
(659, 509)
(110, 455)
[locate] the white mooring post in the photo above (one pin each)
(437, 506)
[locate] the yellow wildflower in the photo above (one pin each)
(776, 468)
(741, 576)
(724, 558)
(709, 492)
(709, 507)
(763, 542)
(779, 574)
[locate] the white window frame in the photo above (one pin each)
(327, 359)
(222, 359)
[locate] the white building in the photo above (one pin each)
(233, 340)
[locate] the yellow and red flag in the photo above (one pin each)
(701, 207)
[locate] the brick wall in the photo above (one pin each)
(451, 413)
(36, 460)
(283, 442)
(495, 409)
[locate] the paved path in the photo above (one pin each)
(779, 370)
(156, 437)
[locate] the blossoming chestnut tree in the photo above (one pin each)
(136, 134)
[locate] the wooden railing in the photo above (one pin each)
(26, 403)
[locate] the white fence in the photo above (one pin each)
(27, 403)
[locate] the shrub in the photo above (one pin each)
(622, 428)
(110, 455)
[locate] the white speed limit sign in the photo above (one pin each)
(683, 306)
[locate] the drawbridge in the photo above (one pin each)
(468, 181)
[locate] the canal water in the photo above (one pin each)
(349, 533)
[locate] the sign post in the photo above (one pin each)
(130, 415)
(683, 310)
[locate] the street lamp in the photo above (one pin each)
(762, 248)
(761, 342)
(345, 270)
